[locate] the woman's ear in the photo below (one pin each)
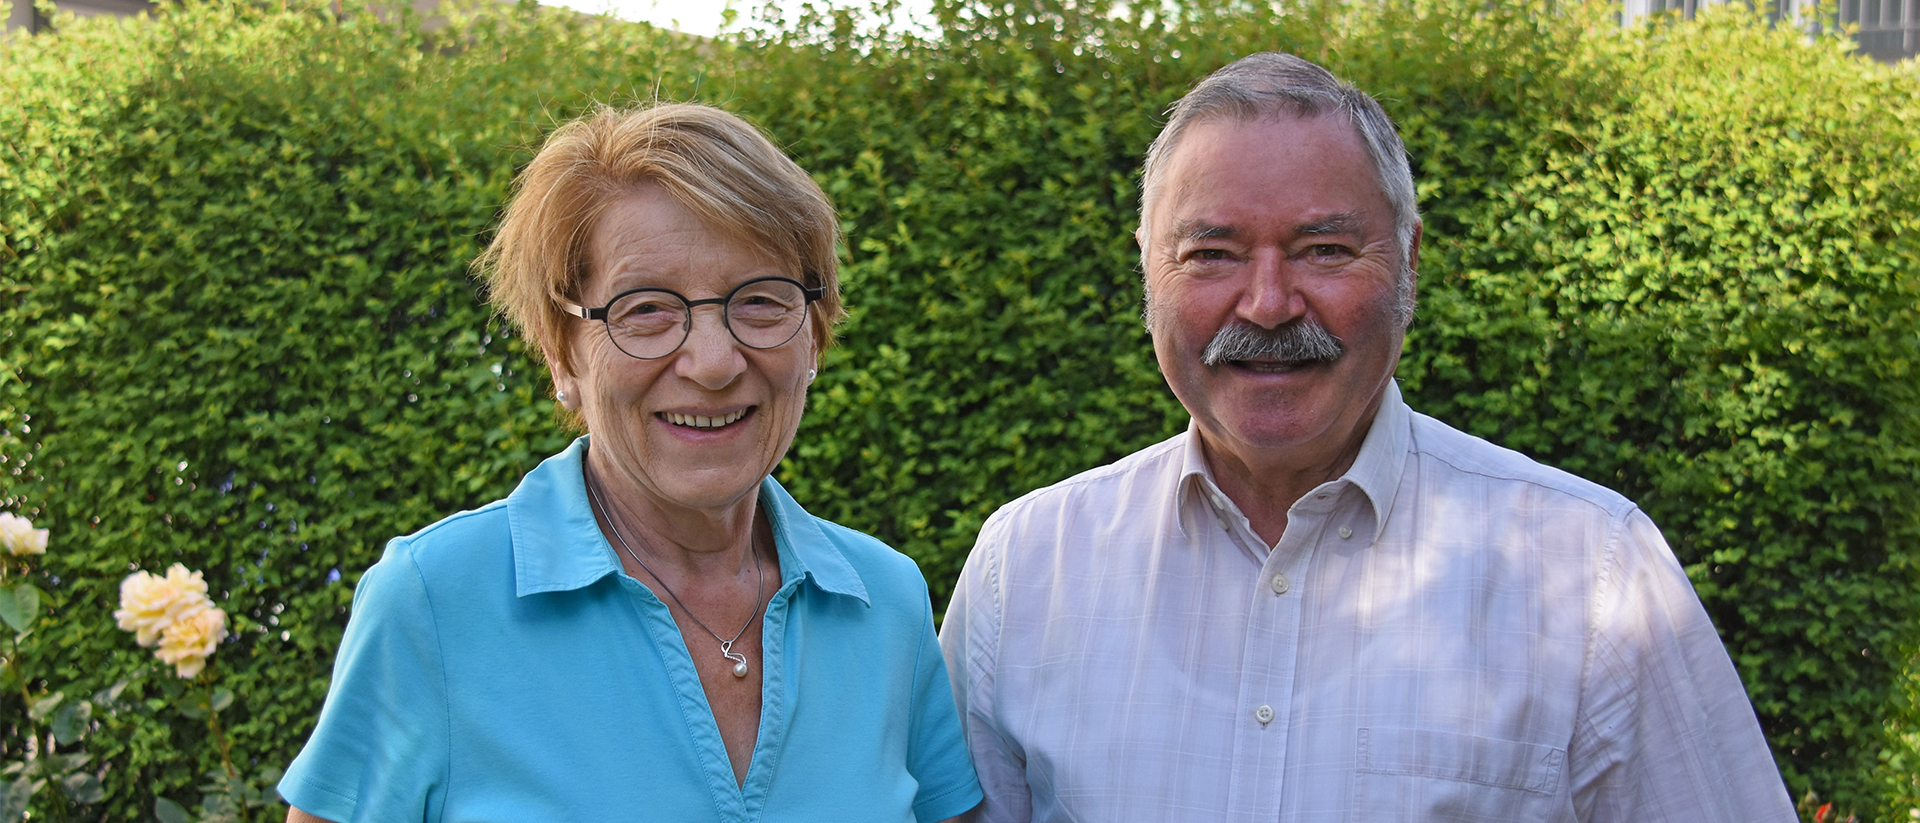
(565, 388)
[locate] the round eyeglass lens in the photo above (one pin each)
(764, 314)
(648, 324)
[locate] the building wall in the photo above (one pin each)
(22, 16)
(1888, 30)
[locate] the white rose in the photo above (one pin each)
(189, 641)
(149, 604)
(19, 537)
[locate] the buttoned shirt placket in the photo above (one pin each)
(1270, 650)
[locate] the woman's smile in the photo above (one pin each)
(705, 421)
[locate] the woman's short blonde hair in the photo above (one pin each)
(711, 162)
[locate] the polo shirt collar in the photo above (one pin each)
(1376, 470)
(805, 548)
(557, 544)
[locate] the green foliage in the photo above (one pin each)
(238, 329)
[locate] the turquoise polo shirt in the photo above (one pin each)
(500, 666)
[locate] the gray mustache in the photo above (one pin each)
(1301, 341)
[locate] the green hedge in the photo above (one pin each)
(238, 330)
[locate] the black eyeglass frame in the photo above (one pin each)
(809, 297)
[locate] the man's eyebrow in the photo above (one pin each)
(1201, 230)
(1342, 223)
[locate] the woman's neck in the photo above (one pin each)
(715, 542)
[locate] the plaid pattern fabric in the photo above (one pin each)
(1448, 632)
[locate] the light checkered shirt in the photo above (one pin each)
(1448, 632)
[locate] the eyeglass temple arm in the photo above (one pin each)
(583, 312)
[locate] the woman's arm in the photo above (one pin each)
(294, 815)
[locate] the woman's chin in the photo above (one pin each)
(705, 469)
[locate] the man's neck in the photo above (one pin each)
(1266, 489)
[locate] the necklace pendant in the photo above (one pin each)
(739, 660)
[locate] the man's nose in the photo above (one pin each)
(1272, 295)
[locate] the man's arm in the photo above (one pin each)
(1665, 724)
(969, 639)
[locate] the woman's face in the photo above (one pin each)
(736, 408)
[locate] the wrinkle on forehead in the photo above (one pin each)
(1170, 186)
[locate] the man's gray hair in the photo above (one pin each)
(1273, 84)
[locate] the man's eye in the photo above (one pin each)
(1210, 254)
(1327, 250)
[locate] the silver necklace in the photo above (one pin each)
(759, 589)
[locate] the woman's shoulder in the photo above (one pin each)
(467, 549)
(456, 533)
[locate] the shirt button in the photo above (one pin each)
(1264, 714)
(1346, 532)
(1279, 587)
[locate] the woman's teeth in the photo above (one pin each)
(701, 421)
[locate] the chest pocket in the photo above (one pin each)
(1425, 775)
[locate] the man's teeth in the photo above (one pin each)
(701, 421)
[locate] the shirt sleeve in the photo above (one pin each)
(1665, 730)
(937, 753)
(970, 641)
(380, 749)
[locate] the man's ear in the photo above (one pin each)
(1413, 251)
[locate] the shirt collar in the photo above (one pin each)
(1376, 470)
(557, 545)
(805, 548)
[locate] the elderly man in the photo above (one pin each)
(1317, 604)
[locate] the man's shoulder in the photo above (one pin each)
(1146, 473)
(1455, 451)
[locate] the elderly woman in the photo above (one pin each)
(649, 627)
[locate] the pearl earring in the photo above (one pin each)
(561, 396)
(811, 373)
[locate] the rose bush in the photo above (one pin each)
(150, 603)
(188, 641)
(19, 537)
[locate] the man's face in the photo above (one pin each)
(1265, 225)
